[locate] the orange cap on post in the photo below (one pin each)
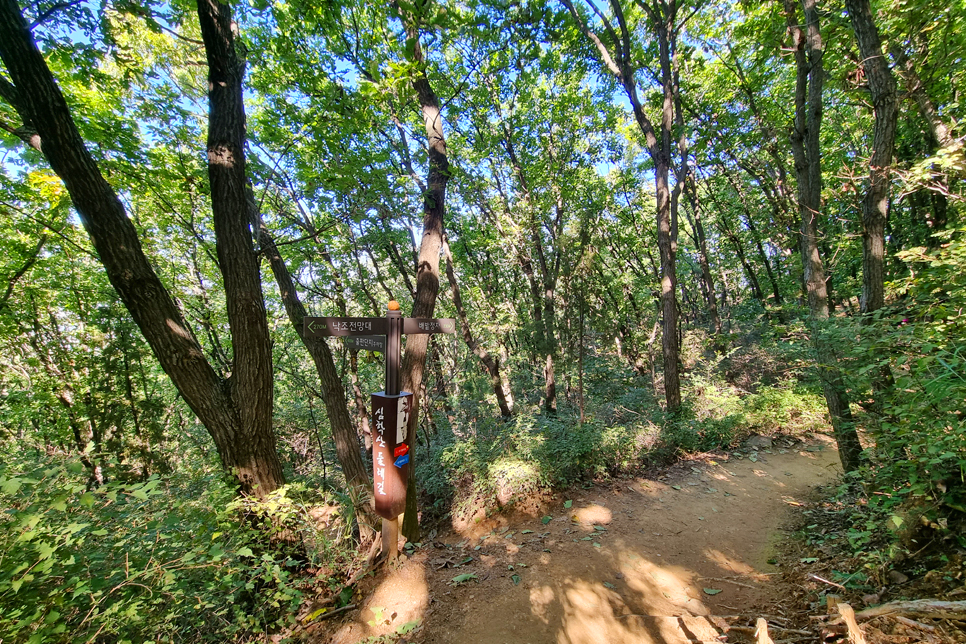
(393, 305)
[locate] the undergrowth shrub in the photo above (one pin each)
(501, 462)
(906, 365)
(143, 561)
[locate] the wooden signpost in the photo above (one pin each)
(391, 409)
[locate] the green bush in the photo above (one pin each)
(144, 561)
(502, 462)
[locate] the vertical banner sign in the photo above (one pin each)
(390, 452)
(391, 409)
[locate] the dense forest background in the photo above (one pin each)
(660, 225)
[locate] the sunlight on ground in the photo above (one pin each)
(592, 514)
(384, 612)
(644, 561)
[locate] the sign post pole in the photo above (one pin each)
(391, 409)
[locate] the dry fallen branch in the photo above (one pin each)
(753, 630)
(334, 612)
(914, 624)
(918, 608)
(761, 632)
(825, 581)
(855, 633)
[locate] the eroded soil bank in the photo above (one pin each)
(638, 560)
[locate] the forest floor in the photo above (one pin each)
(681, 555)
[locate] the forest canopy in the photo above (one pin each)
(660, 226)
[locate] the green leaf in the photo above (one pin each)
(462, 579)
(245, 551)
(547, 519)
(711, 591)
(408, 627)
(568, 503)
(516, 579)
(9, 486)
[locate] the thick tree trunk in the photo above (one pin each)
(806, 151)
(875, 204)
(244, 439)
(251, 383)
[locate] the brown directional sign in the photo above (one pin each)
(367, 343)
(345, 326)
(428, 325)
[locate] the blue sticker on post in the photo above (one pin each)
(402, 460)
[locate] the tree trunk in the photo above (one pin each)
(251, 382)
(702, 244)
(491, 364)
(806, 151)
(333, 394)
(427, 273)
(237, 411)
(619, 60)
(875, 203)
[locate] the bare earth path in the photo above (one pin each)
(640, 560)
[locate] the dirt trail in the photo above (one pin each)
(627, 562)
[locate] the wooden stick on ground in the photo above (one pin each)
(855, 633)
(918, 608)
(761, 632)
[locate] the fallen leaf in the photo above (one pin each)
(712, 591)
(568, 503)
(676, 487)
(462, 579)
(516, 580)
(407, 627)
(547, 519)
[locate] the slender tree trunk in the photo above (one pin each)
(619, 60)
(333, 394)
(806, 151)
(490, 363)
(702, 244)
(427, 273)
(361, 408)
